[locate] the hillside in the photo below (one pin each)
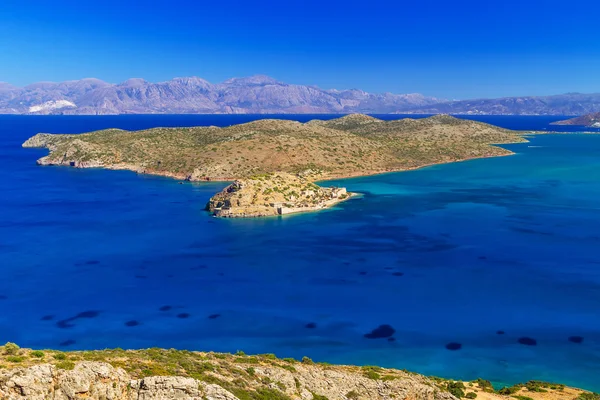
(192, 95)
(348, 146)
(172, 374)
(589, 120)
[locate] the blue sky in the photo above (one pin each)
(452, 49)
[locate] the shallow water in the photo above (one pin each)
(446, 254)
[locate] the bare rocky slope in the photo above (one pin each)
(192, 95)
(158, 374)
(588, 120)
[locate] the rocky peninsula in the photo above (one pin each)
(588, 120)
(275, 163)
(175, 374)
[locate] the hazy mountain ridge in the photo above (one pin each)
(562, 104)
(256, 94)
(260, 95)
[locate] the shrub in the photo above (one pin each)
(37, 354)
(352, 395)
(11, 348)
(484, 385)
(471, 395)
(372, 375)
(507, 391)
(589, 396)
(240, 353)
(457, 389)
(67, 364)
(60, 356)
(519, 397)
(250, 371)
(14, 359)
(307, 360)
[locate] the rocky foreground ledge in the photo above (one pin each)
(273, 194)
(174, 374)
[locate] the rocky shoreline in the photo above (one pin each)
(159, 374)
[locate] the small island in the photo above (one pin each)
(273, 194)
(588, 120)
(275, 163)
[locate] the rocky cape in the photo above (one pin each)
(172, 374)
(589, 120)
(275, 150)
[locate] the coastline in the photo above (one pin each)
(180, 374)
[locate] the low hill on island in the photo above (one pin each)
(589, 120)
(349, 146)
(158, 374)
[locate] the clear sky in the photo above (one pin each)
(452, 49)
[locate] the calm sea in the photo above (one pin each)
(479, 253)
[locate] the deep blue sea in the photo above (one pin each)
(453, 253)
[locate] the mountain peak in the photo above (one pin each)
(255, 80)
(134, 82)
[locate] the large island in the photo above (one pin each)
(275, 163)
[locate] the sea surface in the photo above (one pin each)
(454, 253)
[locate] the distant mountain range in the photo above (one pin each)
(257, 94)
(260, 95)
(562, 104)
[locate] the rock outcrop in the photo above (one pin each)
(99, 380)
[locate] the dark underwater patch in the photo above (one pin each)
(141, 276)
(576, 339)
(183, 315)
(68, 342)
(67, 323)
(362, 273)
(3, 297)
(500, 332)
(132, 323)
(527, 341)
(47, 318)
(391, 339)
(214, 316)
(398, 274)
(165, 308)
(381, 332)
(453, 346)
(310, 325)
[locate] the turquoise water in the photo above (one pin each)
(446, 254)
